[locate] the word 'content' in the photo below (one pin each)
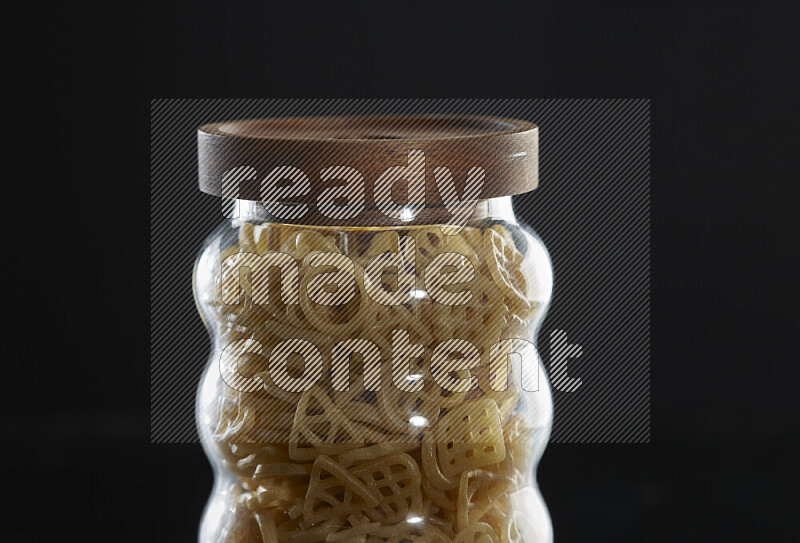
(296, 365)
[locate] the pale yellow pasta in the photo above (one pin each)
(478, 492)
(367, 461)
(324, 501)
(319, 427)
(479, 532)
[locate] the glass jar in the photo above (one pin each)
(373, 375)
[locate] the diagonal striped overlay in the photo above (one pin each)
(592, 210)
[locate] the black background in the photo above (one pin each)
(77, 461)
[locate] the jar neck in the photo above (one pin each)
(495, 208)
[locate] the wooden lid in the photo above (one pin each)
(506, 149)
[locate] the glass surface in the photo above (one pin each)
(396, 439)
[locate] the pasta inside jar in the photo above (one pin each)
(374, 384)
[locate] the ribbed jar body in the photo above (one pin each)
(395, 395)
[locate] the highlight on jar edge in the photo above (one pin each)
(373, 378)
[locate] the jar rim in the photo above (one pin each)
(369, 128)
(427, 161)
